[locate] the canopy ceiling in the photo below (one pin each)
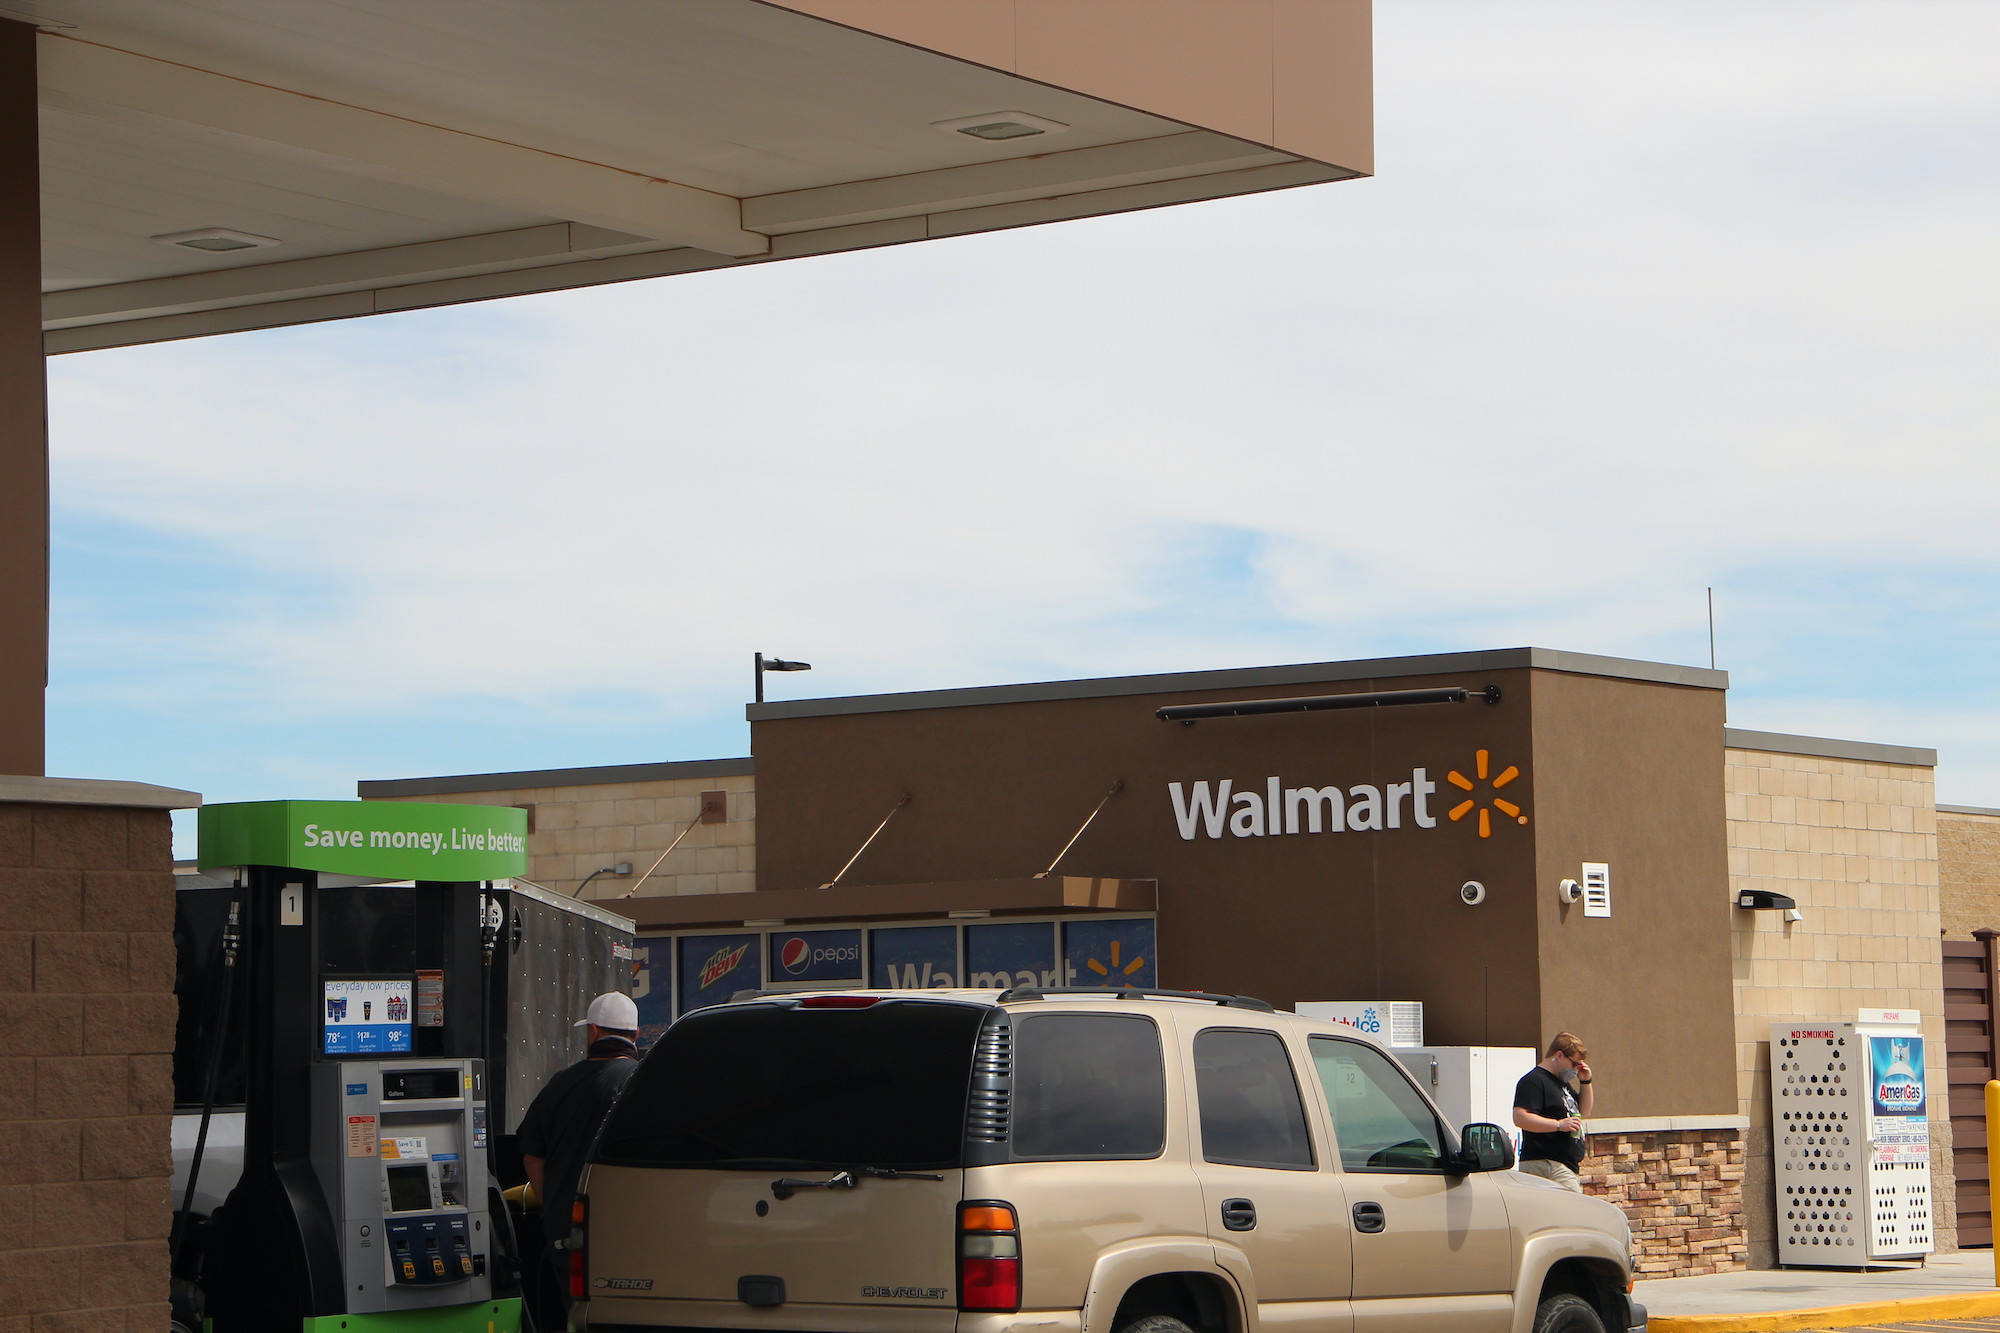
(406, 154)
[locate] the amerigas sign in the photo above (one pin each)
(1207, 808)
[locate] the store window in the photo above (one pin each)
(1110, 953)
(1380, 1122)
(913, 957)
(1251, 1114)
(1008, 954)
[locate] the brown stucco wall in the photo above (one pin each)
(1631, 775)
(1968, 851)
(997, 789)
(86, 1081)
(1636, 773)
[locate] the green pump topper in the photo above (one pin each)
(385, 839)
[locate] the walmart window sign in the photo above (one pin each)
(419, 840)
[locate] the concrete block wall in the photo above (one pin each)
(1968, 869)
(1856, 843)
(86, 1066)
(580, 828)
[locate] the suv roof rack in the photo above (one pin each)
(1137, 993)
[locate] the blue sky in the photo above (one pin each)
(1643, 300)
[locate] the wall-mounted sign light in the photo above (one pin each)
(1319, 703)
(1763, 900)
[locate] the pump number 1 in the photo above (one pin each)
(292, 905)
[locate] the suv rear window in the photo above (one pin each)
(1088, 1086)
(769, 1086)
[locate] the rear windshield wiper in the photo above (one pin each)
(891, 1173)
(845, 1180)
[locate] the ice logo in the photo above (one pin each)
(795, 955)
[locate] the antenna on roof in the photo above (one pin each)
(1711, 629)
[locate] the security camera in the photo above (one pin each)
(1569, 891)
(1472, 893)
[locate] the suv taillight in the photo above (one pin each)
(579, 1273)
(989, 1257)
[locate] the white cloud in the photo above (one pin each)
(1642, 300)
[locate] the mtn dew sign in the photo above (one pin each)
(382, 839)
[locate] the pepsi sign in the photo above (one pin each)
(816, 955)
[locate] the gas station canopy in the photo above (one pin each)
(218, 165)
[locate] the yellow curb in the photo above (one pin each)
(1969, 1305)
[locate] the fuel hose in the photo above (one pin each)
(231, 940)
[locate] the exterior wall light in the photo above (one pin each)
(775, 664)
(1763, 900)
(997, 125)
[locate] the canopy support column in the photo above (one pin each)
(24, 430)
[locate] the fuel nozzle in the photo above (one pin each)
(232, 933)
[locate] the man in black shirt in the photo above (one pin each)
(561, 1124)
(1550, 1115)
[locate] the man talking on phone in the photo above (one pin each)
(1549, 1112)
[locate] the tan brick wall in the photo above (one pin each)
(1682, 1191)
(1968, 872)
(86, 1066)
(579, 829)
(1857, 845)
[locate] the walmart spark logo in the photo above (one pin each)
(1124, 969)
(1480, 764)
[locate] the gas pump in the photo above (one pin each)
(364, 1202)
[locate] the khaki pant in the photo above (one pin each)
(1554, 1171)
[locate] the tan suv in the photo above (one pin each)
(1062, 1161)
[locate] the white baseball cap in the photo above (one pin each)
(612, 1010)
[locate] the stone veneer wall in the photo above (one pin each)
(86, 1065)
(1682, 1191)
(580, 828)
(1855, 842)
(1968, 869)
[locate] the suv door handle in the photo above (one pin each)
(1369, 1218)
(1239, 1215)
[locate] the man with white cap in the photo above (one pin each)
(562, 1121)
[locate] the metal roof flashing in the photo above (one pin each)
(1306, 673)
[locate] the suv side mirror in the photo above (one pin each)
(1484, 1147)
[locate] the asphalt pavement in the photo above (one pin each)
(1947, 1289)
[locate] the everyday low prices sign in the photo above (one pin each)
(385, 839)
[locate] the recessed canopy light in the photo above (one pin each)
(1000, 125)
(215, 239)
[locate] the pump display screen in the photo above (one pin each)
(419, 1084)
(409, 1189)
(367, 1017)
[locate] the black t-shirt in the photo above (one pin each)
(1544, 1094)
(561, 1125)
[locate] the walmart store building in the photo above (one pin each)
(1404, 831)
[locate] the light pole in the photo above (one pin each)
(775, 664)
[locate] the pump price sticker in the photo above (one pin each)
(367, 1017)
